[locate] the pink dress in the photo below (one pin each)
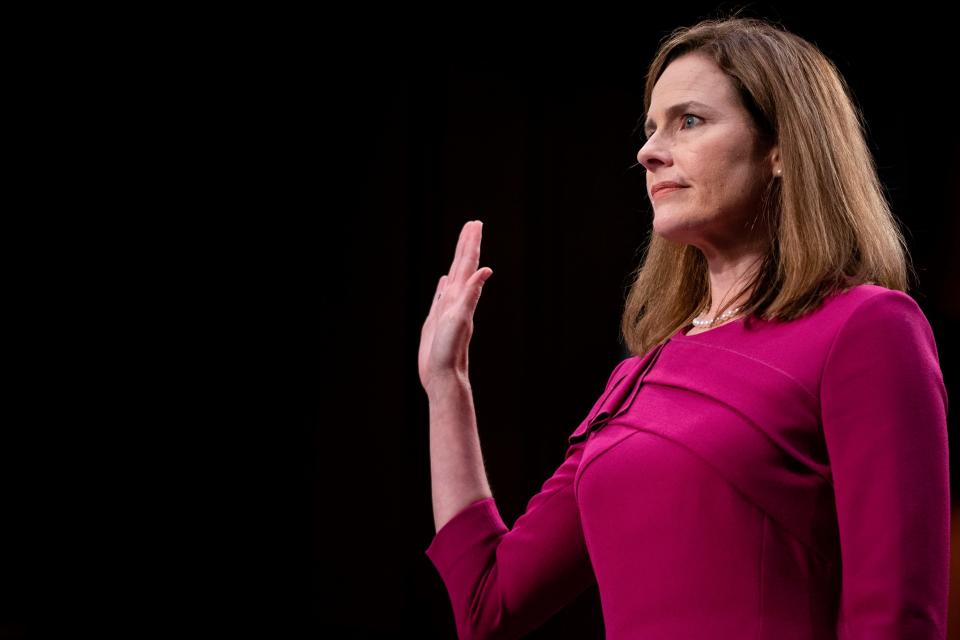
(763, 480)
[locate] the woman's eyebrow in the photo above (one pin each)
(677, 108)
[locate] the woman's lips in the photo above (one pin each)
(659, 193)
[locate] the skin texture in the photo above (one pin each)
(717, 153)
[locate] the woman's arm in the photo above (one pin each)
(503, 582)
(506, 582)
(443, 364)
(456, 462)
(884, 407)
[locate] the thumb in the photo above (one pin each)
(479, 279)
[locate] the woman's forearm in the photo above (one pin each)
(457, 473)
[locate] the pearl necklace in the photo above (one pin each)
(700, 322)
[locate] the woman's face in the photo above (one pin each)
(710, 147)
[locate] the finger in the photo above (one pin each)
(459, 250)
(476, 286)
(470, 258)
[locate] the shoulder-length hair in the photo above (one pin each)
(829, 225)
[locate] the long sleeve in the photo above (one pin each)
(505, 583)
(883, 411)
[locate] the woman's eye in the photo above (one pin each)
(689, 115)
(644, 137)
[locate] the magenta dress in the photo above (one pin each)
(762, 480)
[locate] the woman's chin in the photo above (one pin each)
(669, 227)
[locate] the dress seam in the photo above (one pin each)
(790, 451)
(826, 360)
(733, 486)
(581, 469)
(769, 366)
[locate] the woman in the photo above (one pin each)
(778, 466)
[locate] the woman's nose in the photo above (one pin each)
(651, 154)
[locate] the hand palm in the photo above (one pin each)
(446, 333)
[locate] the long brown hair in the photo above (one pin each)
(828, 220)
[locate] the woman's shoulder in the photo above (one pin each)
(868, 298)
(865, 313)
(874, 317)
(885, 327)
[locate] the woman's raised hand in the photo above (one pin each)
(446, 333)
